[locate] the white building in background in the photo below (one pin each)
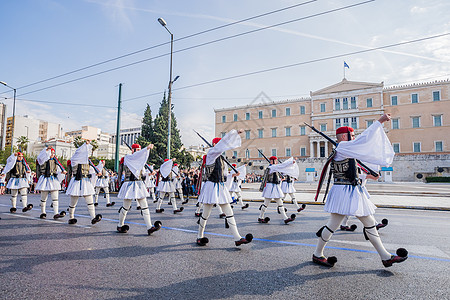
(128, 135)
(2, 124)
(108, 151)
(90, 133)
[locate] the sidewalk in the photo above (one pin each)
(411, 195)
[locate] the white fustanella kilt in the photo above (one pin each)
(149, 182)
(272, 191)
(287, 187)
(165, 187)
(349, 200)
(133, 190)
(48, 184)
(80, 188)
(214, 193)
(17, 183)
(235, 187)
(102, 182)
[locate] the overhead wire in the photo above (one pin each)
(165, 43)
(203, 44)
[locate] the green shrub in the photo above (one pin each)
(437, 179)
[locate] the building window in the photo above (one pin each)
(369, 102)
(260, 153)
(224, 119)
(235, 118)
(337, 123)
(247, 153)
(223, 134)
(337, 104)
(302, 130)
(323, 127)
(354, 123)
(302, 151)
(274, 113)
(415, 122)
(353, 102)
(344, 103)
(345, 122)
(247, 116)
(437, 96)
(396, 147)
(369, 122)
(288, 151)
(393, 100)
(288, 131)
(416, 147)
(274, 152)
(260, 133)
(395, 123)
(260, 114)
(302, 110)
(437, 121)
(414, 98)
(438, 146)
(274, 132)
(322, 107)
(235, 154)
(288, 111)
(247, 134)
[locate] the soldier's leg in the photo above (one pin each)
(13, 199)
(72, 206)
(123, 214)
(161, 196)
(324, 234)
(90, 205)
(229, 219)
(203, 219)
(24, 197)
(263, 208)
(97, 191)
(44, 196)
(371, 234)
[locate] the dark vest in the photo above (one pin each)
(129, 176)
(49, 168)
(19, 170)
(345, 172)
(81, 171)
(274, 178)
(216, 172)
(288, 179)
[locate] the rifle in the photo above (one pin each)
(224, 159)
(267, 158)
(365, 169)
(146, 165)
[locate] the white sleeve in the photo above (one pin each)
(230, 141)
(372, 146)
(136, 161)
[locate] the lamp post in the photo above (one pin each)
(27, 139)
(169, 120)
(14, 114)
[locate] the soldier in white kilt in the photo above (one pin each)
(16, 171)
(48, 182)
(102, 182)
(347, 196)
(166, 186)
(271, 188)
(236, 181)
(150, 183)
(214, 190)
(80, 183)
(287, 187)
(133, 187)
(177, 180)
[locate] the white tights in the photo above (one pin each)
(144, 211)
(280, 208)
(23, 194)
(371, 231)
(226, 208)
(54, 195)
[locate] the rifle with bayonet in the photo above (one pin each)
(146, 165)
(224, 159)
(365, 169)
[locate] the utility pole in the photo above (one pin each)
(116, 165)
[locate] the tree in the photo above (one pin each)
(94, 144)
(78, 142)
(160, 126)
(147, 125)
(23, 141)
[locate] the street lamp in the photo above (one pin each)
(27, 139)
(14, 114)
(169, 122)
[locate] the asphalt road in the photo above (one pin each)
(47, 259)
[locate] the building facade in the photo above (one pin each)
(128, 135)
(420, 120)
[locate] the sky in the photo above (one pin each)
(66, 58)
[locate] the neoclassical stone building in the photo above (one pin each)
(420, 120)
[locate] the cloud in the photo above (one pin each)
(117, 12)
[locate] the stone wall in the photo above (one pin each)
(406, 167)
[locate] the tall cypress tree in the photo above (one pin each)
(160, 126)
(146, 136)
